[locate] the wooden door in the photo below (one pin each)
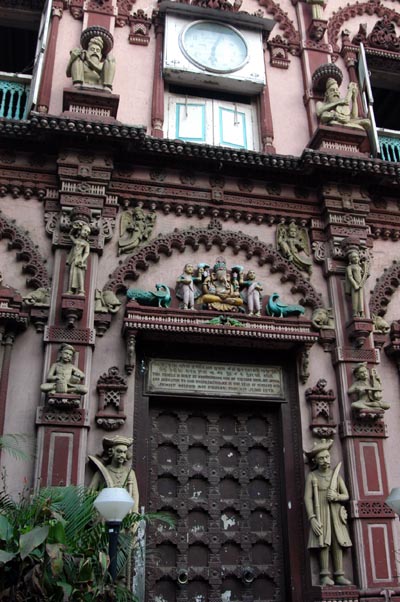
(219, 471)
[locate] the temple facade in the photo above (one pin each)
(199, 212)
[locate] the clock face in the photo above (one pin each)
(214, 46)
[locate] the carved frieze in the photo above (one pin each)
(111, 389)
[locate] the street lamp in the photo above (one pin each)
(113, 503)
(393, 501)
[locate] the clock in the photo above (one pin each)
(214, 47)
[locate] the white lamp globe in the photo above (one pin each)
(393, 501)
(114, 503)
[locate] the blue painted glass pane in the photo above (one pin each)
(191, 122)
(232, 128)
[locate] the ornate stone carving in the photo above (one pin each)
(357, 273)
(186, 284)
(293, 243)
(38, 298)
(321, 401)
(213, 235)
(323, 321)
(140, 25)
(383, 35)
(111, 389)
(106, 302)
(282, 310)
(324, 494)
(366, 392)
(279, 52)
(357, 9)
(27, 251)
(338, 111)
(90, 65)
(77, 257)
(161, 298)
(135, 227)
(114, 467)
(63, 385)
(124, 11)
(285, 24)
(384, 288)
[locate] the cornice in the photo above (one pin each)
(135, 140)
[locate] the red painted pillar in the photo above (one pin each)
(43, 102)
(157, 105)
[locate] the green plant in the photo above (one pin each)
(54, 547)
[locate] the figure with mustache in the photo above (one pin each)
(90, 66)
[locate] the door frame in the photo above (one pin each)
(211, 349)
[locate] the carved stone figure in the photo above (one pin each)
(186, 288)
(323, 318)
(39, 297)
(380, 325)
(162, 298)
(106, 302)
(77, 257)
(334, 110)
(114, 467)
(90, 65)
(251, 293)
(356, 275)
(293, 243)
(221, 288)
(324, 492)
(282, 310)
(63, 376)
(366, 390)
(135, 227)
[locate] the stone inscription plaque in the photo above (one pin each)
(222, 380)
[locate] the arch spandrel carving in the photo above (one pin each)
(213, 235)
(386, 285)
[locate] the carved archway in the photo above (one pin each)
(386, 285)
(357, 9)
(166, 244)
(26, 251)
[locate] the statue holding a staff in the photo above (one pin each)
(324, 492)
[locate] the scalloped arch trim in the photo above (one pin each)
(285, 24)
(213, 235)
(27, 251)
(386, 285)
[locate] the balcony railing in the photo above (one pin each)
(14, 93)
(389, 142)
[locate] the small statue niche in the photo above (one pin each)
(293, 243)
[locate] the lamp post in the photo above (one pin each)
(393, 501)
(113, 503)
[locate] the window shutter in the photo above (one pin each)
(39, 56)
(367, 99)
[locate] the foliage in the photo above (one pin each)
(12, 444)
(53, 548)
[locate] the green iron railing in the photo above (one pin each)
(13, 99)
(390, 146)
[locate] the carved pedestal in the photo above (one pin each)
(111, 388)
(342, 140)
(95, 105)
(358, 329)
(321, 401)
(102, 323)
(72, 308)
(327, 338)
(334, 594)
(63, 401)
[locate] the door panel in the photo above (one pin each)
(218, 472)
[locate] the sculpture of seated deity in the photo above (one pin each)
(221, 288)
(63, 376)
(366, 390)
(90, 66)
(334, 110)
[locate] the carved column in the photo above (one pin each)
(344, 222)
(83, 199)
(157, 103)
(48, 69)
(266, 125)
